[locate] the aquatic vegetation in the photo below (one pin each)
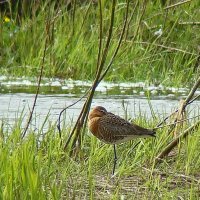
(163, 51)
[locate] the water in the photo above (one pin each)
(52, 100)
(12, 106)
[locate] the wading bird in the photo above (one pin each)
(112, 129)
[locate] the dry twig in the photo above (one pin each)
(176, 141)
(100, 74)
(40, 77)
(79, 123)
(187, 131)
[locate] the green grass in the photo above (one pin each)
(73, 44)
(37, 168)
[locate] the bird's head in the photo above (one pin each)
(97, 111)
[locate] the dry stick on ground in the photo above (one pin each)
(40, 78)
(187, 131)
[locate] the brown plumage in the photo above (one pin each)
(112, 129)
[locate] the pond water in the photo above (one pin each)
(17, 97)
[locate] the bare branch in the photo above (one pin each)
(166, 118)
(176, 141)
(87, 104)
(64, 109)
(118, 46)
(176, 122)
(186, 102)
(40, 78)
(193, 90)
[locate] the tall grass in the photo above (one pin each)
(73, 43)
(37, 168)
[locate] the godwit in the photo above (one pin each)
(112, 129)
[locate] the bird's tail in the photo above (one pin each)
(152, 132)
(145, 132)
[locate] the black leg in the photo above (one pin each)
(115, 159)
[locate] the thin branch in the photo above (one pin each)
(193, 90)
(186, 132)
(166, 118)
(39, 81)
(86, 93)
(64, 109)
(107, 42)
(118, 46)
(175, 142)
(87, 104)
(176, 122)
(100, 34)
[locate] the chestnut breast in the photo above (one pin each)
(93, 125)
